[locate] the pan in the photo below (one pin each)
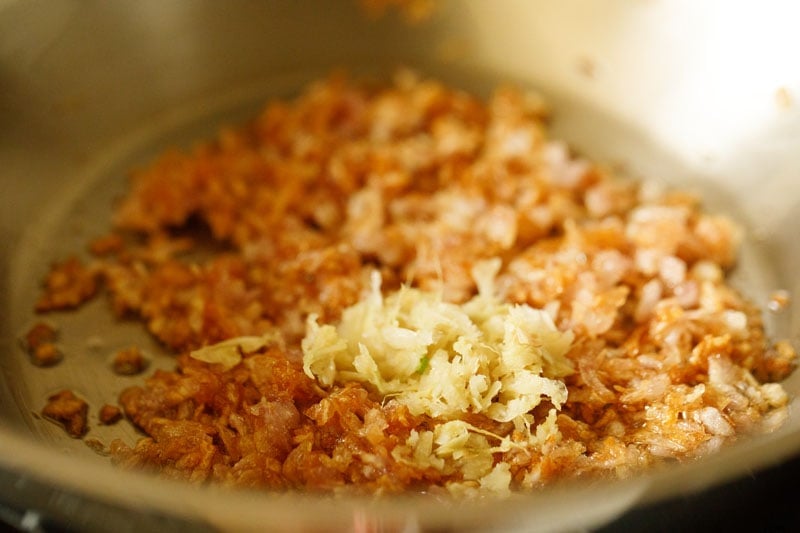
(695, 96)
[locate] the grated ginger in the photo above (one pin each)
(443, 359)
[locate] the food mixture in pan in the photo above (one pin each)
(379, 288)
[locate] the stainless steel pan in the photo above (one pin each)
(703, 96)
